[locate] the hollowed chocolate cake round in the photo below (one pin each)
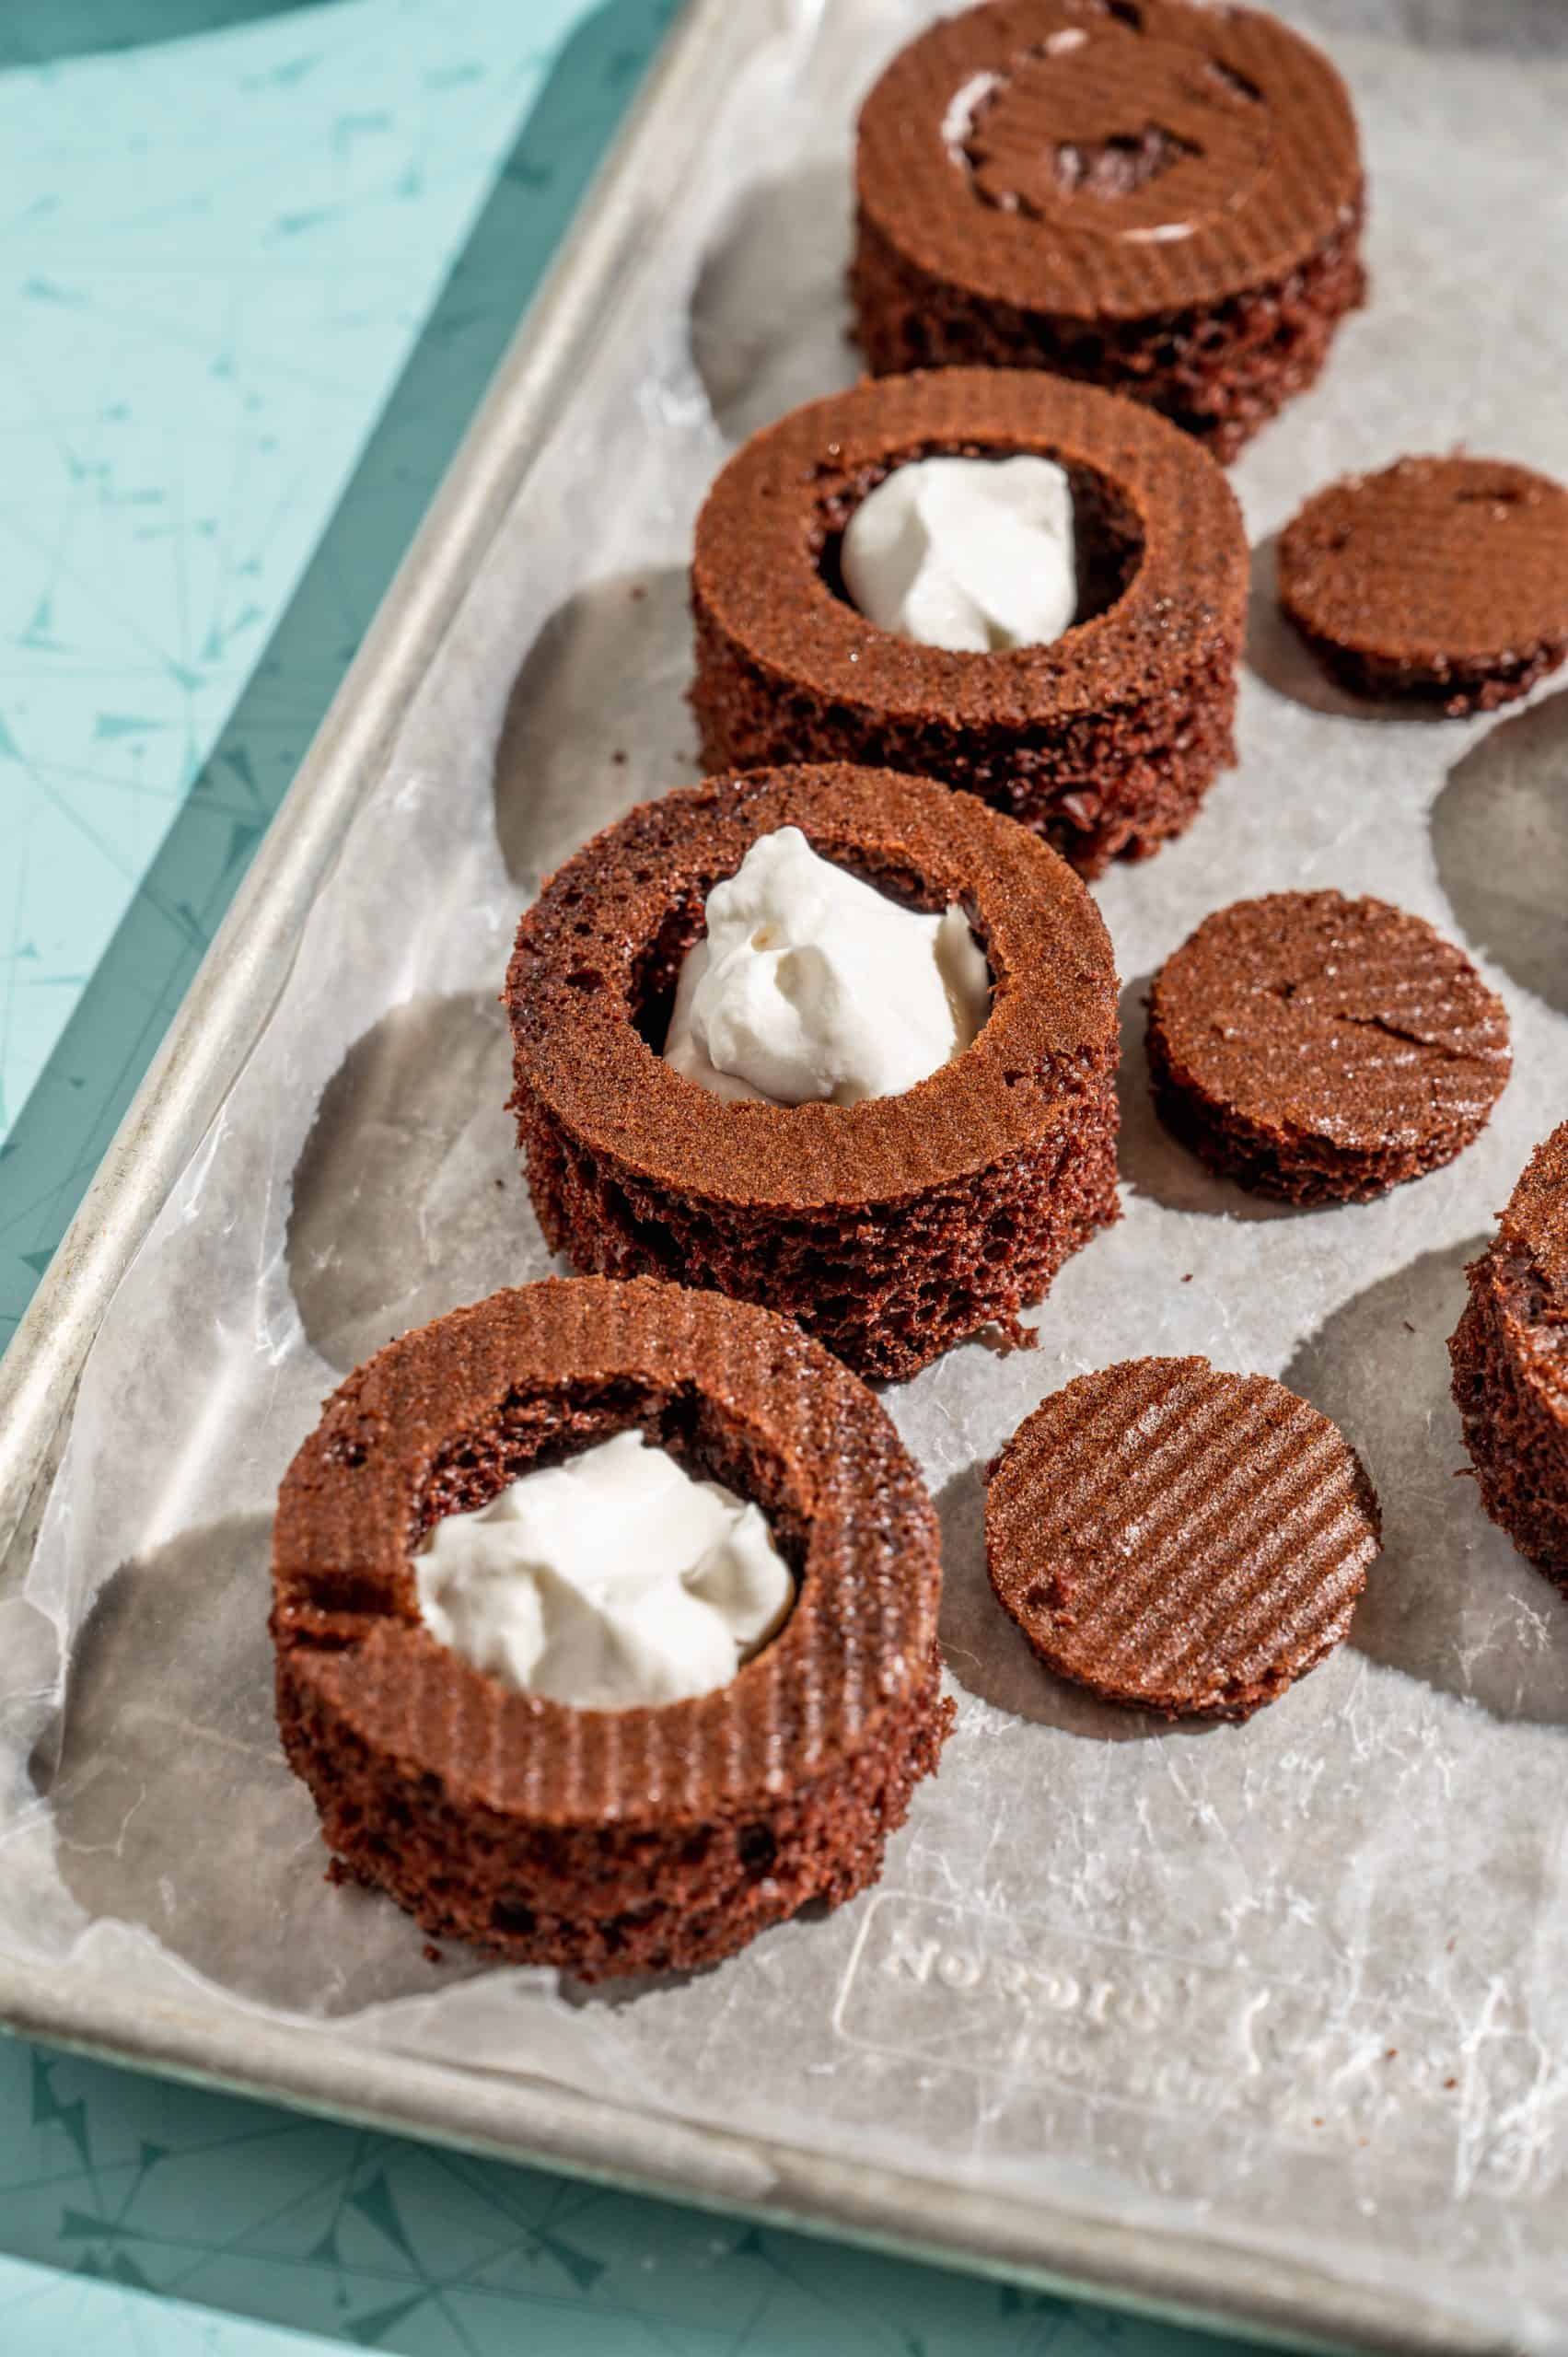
(1157, 196)
(1510, 1360)
(828, 1039)
(422, 1704)
(1097, 709)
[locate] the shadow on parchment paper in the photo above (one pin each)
(1448, 1601)
(990, 1656)
(596, 719)
(1154, 1163)
(408, 1195)
(1277, 654)
(630, 1988)
(1500, 837)
(175, 1809)
(769, 317)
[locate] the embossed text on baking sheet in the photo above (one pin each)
(1043, 2007)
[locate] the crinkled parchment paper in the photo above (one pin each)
(1301, 1985)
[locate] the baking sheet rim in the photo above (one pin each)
(1182, 2279)
(1199, 2280)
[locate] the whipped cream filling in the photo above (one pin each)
(610, 1580)
(811, 986)
(972, 554)
(962, 107)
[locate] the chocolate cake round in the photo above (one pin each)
(891, 1228)
(1159, 197)
(1442, 579)
(1510, 1360)
(606, 1842)
(1179, 1539)
(1106, 739)
(1323, 1049)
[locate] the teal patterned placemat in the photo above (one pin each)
(42, 2314)
(385, 2244)
(258, 282)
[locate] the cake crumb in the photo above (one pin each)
(430, 1953)
(1003, 1336)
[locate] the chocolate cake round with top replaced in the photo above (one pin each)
(1510, 1360)
(606, 1842)
(1441, 579)
(891, 1228)
(1179, 1539)
(1159, 197)
(1106, 739)
(1323, 1049)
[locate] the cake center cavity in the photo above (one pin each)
(611, 1581)
(810, 986)
(972, 554)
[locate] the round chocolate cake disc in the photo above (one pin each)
(1179, 1539)
(1440, 578)
(1322, 1050)
(1509, 1354)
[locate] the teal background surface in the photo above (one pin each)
(258, 273)
(314, 234)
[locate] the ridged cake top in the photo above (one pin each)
(1162, 551)
(1107, 158)
(1177, 1537)
(1430, 562)
(1344, 1020)
(441, 1421)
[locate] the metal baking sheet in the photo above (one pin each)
(1267, 2022)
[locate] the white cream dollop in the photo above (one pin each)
(811, 986)
(610, 1580)
(972, 554)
